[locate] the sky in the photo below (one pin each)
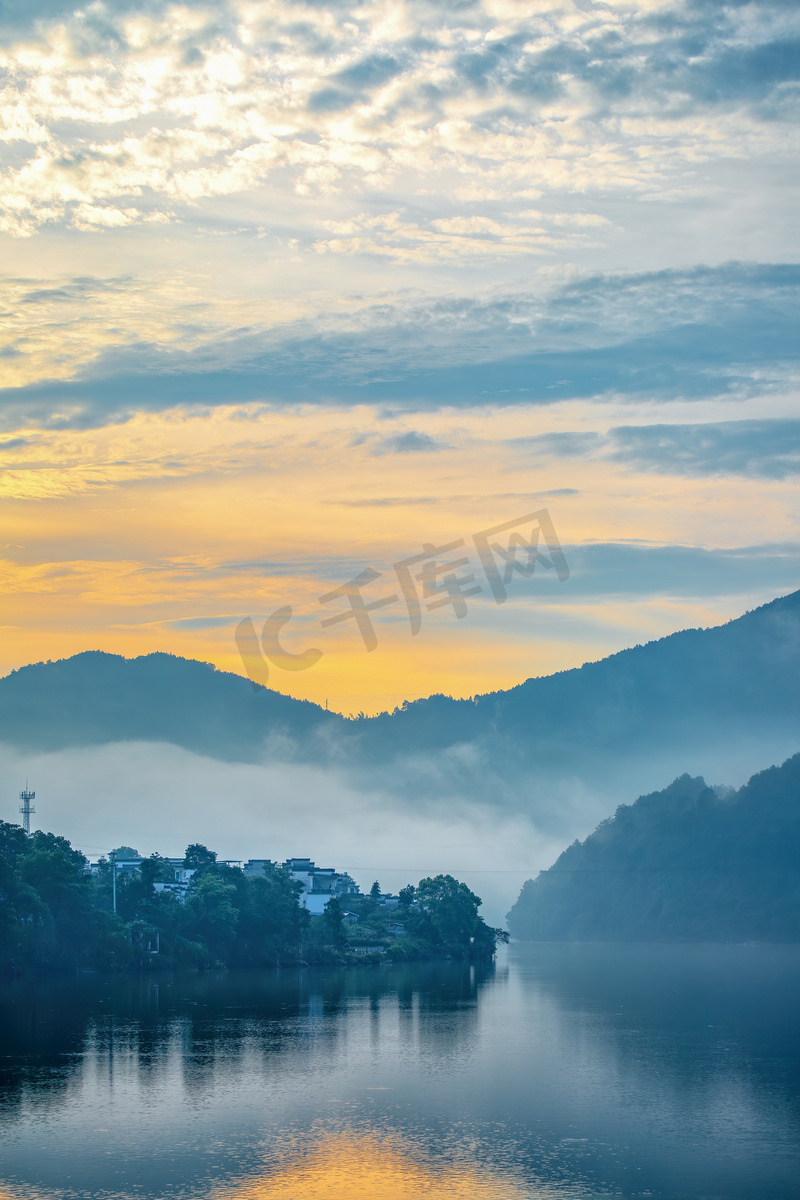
(292, 293)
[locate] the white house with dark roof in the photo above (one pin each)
(319, 883)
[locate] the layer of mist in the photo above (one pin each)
(160, 751)
(156, 797)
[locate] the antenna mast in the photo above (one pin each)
(26, 808)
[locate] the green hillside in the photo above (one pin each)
(690, 863)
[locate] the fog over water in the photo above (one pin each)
(491, 832)
(158, 797)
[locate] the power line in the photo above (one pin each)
(461, 870)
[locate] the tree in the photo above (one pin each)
(334, 923)
(136, 892)
(272, 923)
(450, 910)
(199, 856)
(62, 927)
(375, 891)
(125, 853)
(56, 871)
(155, 869)
(406, 896)
(325, 939)
(211, 914)
(13, 842)
(26, 925)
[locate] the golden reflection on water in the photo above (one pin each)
(348, 1168)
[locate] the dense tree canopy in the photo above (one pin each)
(197, 855)
(448, 917)
(690, 863)
(56, 914)
(48, 914)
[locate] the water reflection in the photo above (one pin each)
(567, 1071)
(691, 1016)
(375, 1168)
(54, 1031)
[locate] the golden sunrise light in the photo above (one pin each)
(372, 1168)
(399, 609)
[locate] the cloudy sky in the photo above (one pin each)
(295, 292)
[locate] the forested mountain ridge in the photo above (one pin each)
(749, 665)
(95, 697)
(689, 863)
(651, 706)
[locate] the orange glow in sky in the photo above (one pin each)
(283, 299)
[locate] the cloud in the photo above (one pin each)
(756, 73)
(203, 622)
(353, 84)
(728, 331)
(456, 238)
(754, 449)
(147, 108)
(411, 442)
(631, 570)
(76, 289)
(387, 502)
(568, 444)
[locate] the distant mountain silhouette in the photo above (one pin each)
(742, 675)
(96, 697)
(616, 726)
(688, 863)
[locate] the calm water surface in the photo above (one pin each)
(562, 1072)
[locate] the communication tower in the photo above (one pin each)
(26, 808)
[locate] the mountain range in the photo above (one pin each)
(722, 701)
(491, 788)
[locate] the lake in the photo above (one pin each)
(563, 1071)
